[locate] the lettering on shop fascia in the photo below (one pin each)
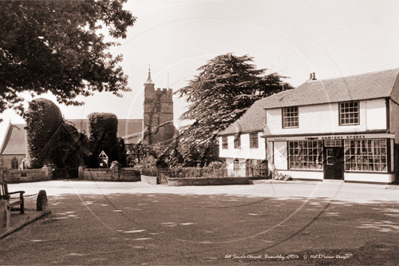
(345, 137)
(330, 137)
(337, 137)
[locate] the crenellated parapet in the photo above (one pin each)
(158, 109)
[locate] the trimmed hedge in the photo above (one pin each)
(43, 118)
(103, 128)
(217, 171)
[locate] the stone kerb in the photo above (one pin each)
(208, 181)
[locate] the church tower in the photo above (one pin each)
(158, 113)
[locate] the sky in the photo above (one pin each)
(293, 38)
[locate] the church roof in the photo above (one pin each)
(125, 126)
(15, 138)
(133, 138)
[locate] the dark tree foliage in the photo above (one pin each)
(55, 46)
(43, 119)
(119, 152)
(222, 92)
(170, 154)
(103, 128)
(74, 146)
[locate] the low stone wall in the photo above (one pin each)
(27, 175)
(129, 174)
(106, 174)
(208, 181)
(151, 180)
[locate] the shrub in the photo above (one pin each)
(215, 170)
(103, 128)
(43, 118)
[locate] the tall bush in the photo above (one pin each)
(103, 128)
(43, 118)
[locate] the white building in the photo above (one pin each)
(342, 128)
(242, 142)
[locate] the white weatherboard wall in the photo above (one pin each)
(368, 177)
(324, 118)
(245, 152)
(315, 175)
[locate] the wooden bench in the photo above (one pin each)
(4, 194)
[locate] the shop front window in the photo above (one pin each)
(369, 155)
(306, 155)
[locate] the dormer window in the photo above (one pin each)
(349, 113)
(290, 117)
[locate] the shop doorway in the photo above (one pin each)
(334, 163)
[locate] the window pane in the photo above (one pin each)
(306, 154)
(366, 155)
(290, 117)
(349, 113)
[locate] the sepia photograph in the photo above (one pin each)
(199, 132)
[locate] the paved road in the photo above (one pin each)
(274, 223)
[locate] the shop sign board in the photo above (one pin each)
(327, 137)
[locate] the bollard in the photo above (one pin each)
(41, 203)
(5, 215)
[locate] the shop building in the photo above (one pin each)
(344, 128)
(241, 145)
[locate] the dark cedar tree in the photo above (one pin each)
(222, 92)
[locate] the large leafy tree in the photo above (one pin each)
(56, 46)
(220, 94)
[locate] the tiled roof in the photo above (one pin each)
(15, 140)
(359, 87)
(133, 138)
(125, 126)
(251, 121)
